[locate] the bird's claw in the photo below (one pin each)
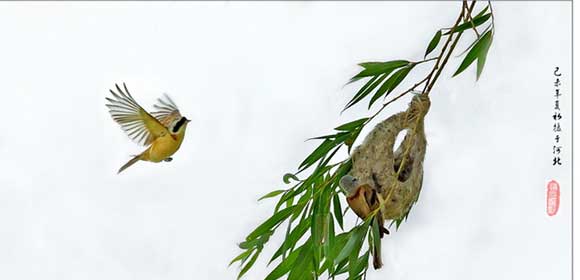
(168, 159)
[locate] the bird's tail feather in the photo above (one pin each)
(377, 262)
(129, 163)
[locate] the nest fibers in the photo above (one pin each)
(396, 175)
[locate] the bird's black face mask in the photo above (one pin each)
(179, 124)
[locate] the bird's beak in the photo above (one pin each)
(186, 120)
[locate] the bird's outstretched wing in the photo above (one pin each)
(134, 120)
(167, 112)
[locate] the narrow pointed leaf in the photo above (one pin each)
(303, 266)
(487, 40)
(361, 264)
(481, 12)
(271, 194)
(328, 244)
(362, 94)
(391, 83)
(350, 141)
(474, 52)
(258, 242)
(351, 125)
(271, 222)
(337, 210)
(376, 68)
(284, 266)
(434, 42)
(240, 257)
(401, 75)
(477, 21)
(249, 264)
(288, 176)
(355, 241)
(318, 153)
(292, 238)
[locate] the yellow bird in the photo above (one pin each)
(162, 131)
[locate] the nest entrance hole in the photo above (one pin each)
(399, 151)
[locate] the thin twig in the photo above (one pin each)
(491, 11)
(430, 86)
(437, 71)
(449, 38)
(470, 19)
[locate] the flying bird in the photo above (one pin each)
(162, 131)
(363, 200)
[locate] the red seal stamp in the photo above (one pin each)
(552, 198)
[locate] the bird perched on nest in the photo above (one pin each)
(163, 130)
(363, 200)
(397, 176)
(387, 179)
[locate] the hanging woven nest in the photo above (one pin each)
(396, 176)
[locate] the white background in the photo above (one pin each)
(257, 79)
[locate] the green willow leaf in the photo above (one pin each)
(284, 266)
(376, 68)
(351, 125)
(329, 137)
(354, 242)
(337, 246)
(292, 238)
(256, 243)
(241, 256)
(434, 42)
(321, 153)
(473, 43)
(288, 176)
(475, 52)
(271, 222)
(482, 12)
(328, 244)
(303, 267)
(399, 77)
(320, 215)
(271, 194)
(364, 87)
(353, 136)
(249, 264)
(337, 211)
(341, 268)
(323, 164)
(391, 83)
(302, 203)
(487, 40)
(384, 87)
(477, 21)
(358, 97)
(316, 228)
(353, 257)
(287, 196)
(318, 153)
(361, 263)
